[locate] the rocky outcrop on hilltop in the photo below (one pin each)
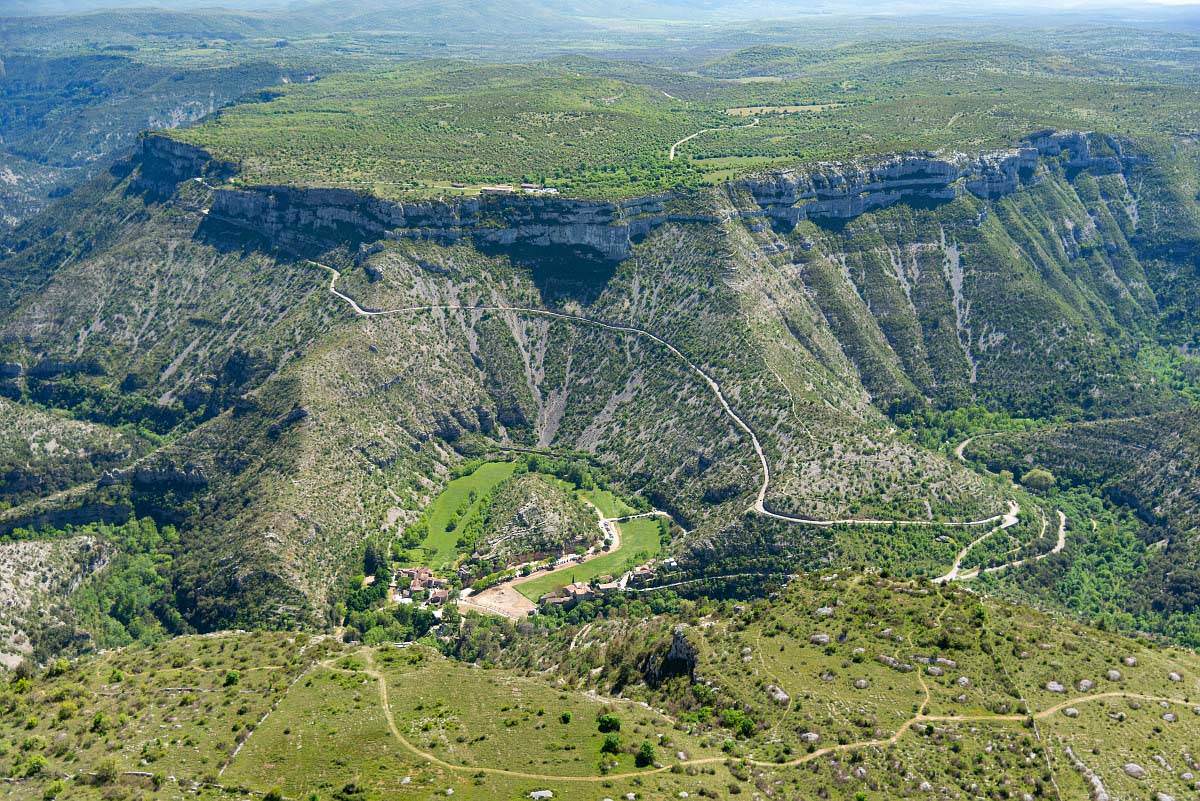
(165, 162)
(842, 191)
(680, 659)
(529, 517)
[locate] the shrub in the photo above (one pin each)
(611, 745)
(608, 722)
(645, 755)
(99, 723)
(106, 771)
(738, 720)
(34, 765)
(565, 717)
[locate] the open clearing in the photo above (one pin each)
(607, 502)
(754, 111)
(440, 545)
(639, 543)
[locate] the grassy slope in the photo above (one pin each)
(845, 694)
(609, 504)
(498, 732)
(439, 547)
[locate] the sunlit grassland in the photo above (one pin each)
(639, 543)
(456, 503)
(607, 502)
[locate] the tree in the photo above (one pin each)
(611, 745)
(645, 755)
(374, 560)
(1038, 479)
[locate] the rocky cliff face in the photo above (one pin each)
(316, 218)
(303, 218)
(680, 659)
(163, 475)
(843, 191)
(165, 162)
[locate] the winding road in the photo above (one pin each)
(955, 575)
(759, 506)
(962, 446)
(684, 140)
(1010, 520)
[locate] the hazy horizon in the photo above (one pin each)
(680, 9)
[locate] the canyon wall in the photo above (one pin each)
(317, 218)
(842, 191)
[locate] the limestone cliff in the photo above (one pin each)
(316, 218)
(842, 191)
(302, 218)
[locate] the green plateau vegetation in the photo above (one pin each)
(581, 134)
(450, 128)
